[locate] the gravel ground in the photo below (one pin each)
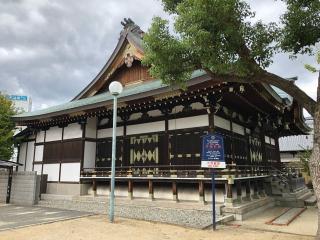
(98, 227)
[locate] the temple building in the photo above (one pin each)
(159, 133)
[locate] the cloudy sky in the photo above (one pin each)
(50, 50)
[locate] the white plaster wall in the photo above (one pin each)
(89, 155)
(52, 170)
(141, 191)
(91, 128)
(38, 157)
(40, 137)
(267, 139)
(105, 133)
(189, 122)
(70, 172)
(120, 191)
(197, 105)
(177, 109)
(135, 116)
(72, 131)
(187, 193)
(37, 168)
(30, 154)
(272, 141)
(219, 194)
(103, 189)
(162, 192)
(22, 156)
(155, 113)
(221, 122)
(146, 128)
(54, 134)
(238, 128)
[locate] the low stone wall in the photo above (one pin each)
(24, 189)
(186, 217)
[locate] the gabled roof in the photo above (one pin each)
(131, 34)
(130, 47)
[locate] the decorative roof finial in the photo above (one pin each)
(127, 22)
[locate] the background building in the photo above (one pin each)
(21, 103)
(291, 146)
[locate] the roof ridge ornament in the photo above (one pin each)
(130, 26)
(127, 22)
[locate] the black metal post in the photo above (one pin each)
(213, 202)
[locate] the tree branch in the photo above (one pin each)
(272, 79)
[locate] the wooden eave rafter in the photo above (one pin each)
(146, 103)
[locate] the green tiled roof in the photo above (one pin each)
(105, 97)
(101, 98)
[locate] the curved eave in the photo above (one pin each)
(104, 69)
(272, 92)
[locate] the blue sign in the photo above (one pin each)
(18, 98)
(212, 151)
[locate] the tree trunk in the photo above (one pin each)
(314, 162)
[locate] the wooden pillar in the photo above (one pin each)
(18, 156)
(229, 194)
(166, 160)
(175, 191)
(10, 173)
(151, 194)
(248, 191)
(261, 190)
(83, 124)
(255, 190)
(201, 192)
(130, 189)
(239, 191)
(94, 187)
(229, 191)
(276, 139)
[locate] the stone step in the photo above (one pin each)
(287, 217)
(45, 196)
(305, 196)
(311, 201)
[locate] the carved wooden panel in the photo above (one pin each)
(255, 150)
(144, 150)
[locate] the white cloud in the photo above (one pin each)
(51, 50)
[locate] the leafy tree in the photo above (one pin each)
(218, 37)
(304, 157)
(6, 128)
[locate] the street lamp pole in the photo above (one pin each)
(115, 89)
